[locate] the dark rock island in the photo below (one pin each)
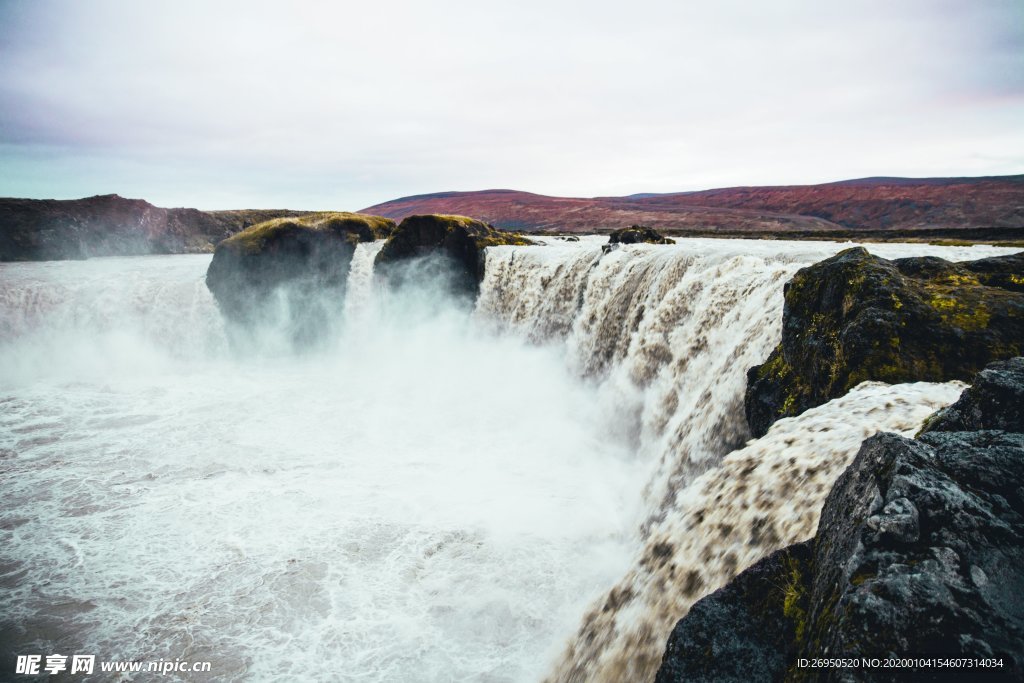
(292, 273)
(458, 241)
(637, 234)
(301, 263)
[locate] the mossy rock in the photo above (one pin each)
(746, 631)
(637, 234)
(919, 552)
(308, 255)
(457, 241)
(857, 317)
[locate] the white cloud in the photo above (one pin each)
(341, 105)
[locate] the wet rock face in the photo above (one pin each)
(919, 551)
(636, 234)
(455, 243)
(299, 264)
(857, 317)
(744, 632)
(996, 401)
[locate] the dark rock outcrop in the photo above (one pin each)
(995, 401)
(919, 552)
(744, 632)
(305, 260)
(857, 317)
(457, 241)
(636, 234)
(109, 225)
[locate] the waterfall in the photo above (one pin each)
(540, 487)
(110, 315)
(761, 498)
(359, 290)
(666, 335)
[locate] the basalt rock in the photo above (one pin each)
(454, 243)
(857, 317)
(636, 234)
(298, 266)
(995, 401)
(919, 553)
(747, 630)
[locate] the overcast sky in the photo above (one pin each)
(345, 104)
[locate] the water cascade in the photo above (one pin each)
(537, 488)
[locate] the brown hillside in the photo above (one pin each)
(870, 204)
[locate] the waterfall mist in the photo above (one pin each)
(434, 492)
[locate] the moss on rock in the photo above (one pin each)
(309, 254)
(857, 317)
(350, 227)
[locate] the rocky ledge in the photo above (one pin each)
(857, 317)
(919, 552)
(458, 243)
(305, 258)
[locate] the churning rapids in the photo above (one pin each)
(538, 488)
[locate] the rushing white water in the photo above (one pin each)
(431, 497)
(424, 502)
(761, 498)
(666, 335)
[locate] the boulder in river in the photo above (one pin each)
(299, 263)
(637, 234)
(457, 242)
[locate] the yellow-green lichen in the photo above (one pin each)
(959, 312)
(959, 280)
(795, 598)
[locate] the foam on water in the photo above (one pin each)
(434, 496)
(421, 502)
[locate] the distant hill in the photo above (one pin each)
(109, 225)
(866, 204)
(868, 208)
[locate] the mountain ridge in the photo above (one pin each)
(984, 208)
(870, 203)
